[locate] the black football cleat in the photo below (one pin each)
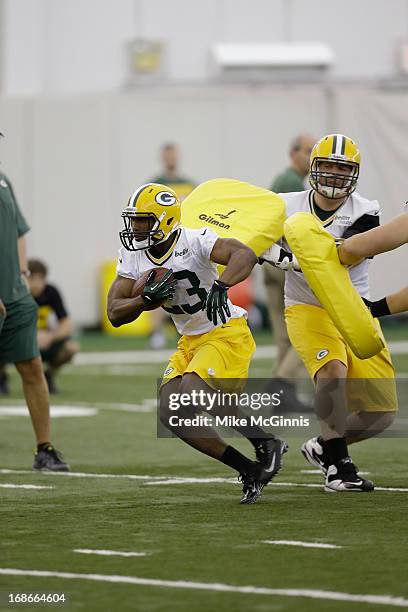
(343, 477)
(251, 488)
(50, 459)
(269, 455)
(313, 452)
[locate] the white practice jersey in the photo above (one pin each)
(355, 215)
(189, 258)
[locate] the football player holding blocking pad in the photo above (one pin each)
(215, 342)
(349, 411)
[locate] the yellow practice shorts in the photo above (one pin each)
(371, 382)
(224, 352)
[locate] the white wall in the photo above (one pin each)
(75, 160)
(71, 46)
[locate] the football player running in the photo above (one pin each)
(215, 342)
(389, 236)
(332, 199)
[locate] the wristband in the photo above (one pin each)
(380, 308)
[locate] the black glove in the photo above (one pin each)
(158, 291)
(379, 308)
(217, 302)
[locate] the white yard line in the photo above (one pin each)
(147, 357)
(318, 486)
(118, 369)
(176, 481)
(110, 553)
(125, 357)
(84, 475)
(23, 486)
(171, 480)
(83, 409)
(321, 473)
(56, 411)
(180, 480)
(384, 600)
(313, 472)
(302, 544)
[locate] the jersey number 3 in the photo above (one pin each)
(195, 289)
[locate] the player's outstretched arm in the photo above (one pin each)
(236, 256)
(122, 308)
(398, 302)
(387, 237)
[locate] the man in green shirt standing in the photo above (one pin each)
(18, 326)
(169, 174)
(293, 178)
(289, 364)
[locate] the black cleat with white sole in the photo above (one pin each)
(313, 452)
(343, 477)
(50, 459)
(269, 455)
(251, 488)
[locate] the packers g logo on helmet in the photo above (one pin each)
(340, 150)
(156, 204)
(165, 198)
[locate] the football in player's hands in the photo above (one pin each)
(154, 293)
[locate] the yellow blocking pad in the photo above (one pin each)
(316, 252)
(234, 209)
(142, 326)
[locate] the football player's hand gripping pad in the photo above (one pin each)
(217, 302)
(158, 291)
(280, 258)
(316, 252)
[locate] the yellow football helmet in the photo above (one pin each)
(343, 151)
(157, 204)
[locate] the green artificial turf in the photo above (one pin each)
(194, 532)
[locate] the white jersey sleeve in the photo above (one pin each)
(203, 244)
(127, 265)
(356, 215)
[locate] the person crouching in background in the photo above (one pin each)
(55, 326)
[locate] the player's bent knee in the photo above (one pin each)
(332, 369)
(386, 419)
(190, 382)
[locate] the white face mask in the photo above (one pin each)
(332, 184)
